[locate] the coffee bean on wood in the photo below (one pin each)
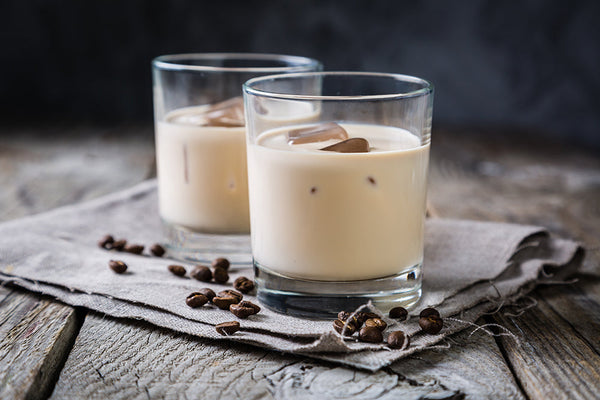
(117, 266)
(228, 328)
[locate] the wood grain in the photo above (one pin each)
(125, 359)
(35, 337)
(517, 180)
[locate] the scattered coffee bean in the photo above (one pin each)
(376, 323)
(178, 270)
(106, 242)
(196, 300)
(365, 315)
(398, 340)
(253, 306)
(228, 328)
(431, 324)
(134, 249)
(411, 277)
(119, 245)
(231, 292)
(157, 250)
(221, 263)
(241, 311)
(243, 284)
(429, 311)
(201, 273)
(399, 313)
(220, 275)
(118, 266)
(208, 292)
(223, 302)
(370, 334)
(339, 327)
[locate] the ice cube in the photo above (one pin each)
(228, 113)
(354, 145)
(317, 133)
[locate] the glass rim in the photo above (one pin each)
(296, 63)
(426, 89)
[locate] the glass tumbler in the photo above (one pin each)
(337, 200)
(201, 144)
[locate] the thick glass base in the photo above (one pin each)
(324, 299)
(184, 244)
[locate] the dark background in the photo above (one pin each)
(532, 65)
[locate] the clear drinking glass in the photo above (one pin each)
(201, 144)
(334, 225)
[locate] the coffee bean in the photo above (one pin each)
(178, 270)
(429, 311)
(201, 273)
(196, 300)
(221, 263)
(220, 275)
(134, 249)
(228, 328)
(106, 242)
(243, 284)
(399, 313)
(118, 266)
(343, 315)
(253, 306)
(240, 311)
(339, 327)
(223, 302)
(398, 340)
(231, 292)
(208, 292)
(157, 250)
(119, 245)
(370, 334)
(431, 324)
(365, 315)
(376, 323)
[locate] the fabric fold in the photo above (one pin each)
(470, 268)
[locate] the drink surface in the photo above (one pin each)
(332, 216)
(202, 175)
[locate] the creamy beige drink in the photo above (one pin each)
(328, 215)
(202, 178)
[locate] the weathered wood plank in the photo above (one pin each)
(125, 359)
(552, 361)
(505, 180)
(36, 335)
(40, 170)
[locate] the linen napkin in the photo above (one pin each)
(469, 269)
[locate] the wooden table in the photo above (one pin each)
(48, 349)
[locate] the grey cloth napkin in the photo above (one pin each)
(470, 268)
